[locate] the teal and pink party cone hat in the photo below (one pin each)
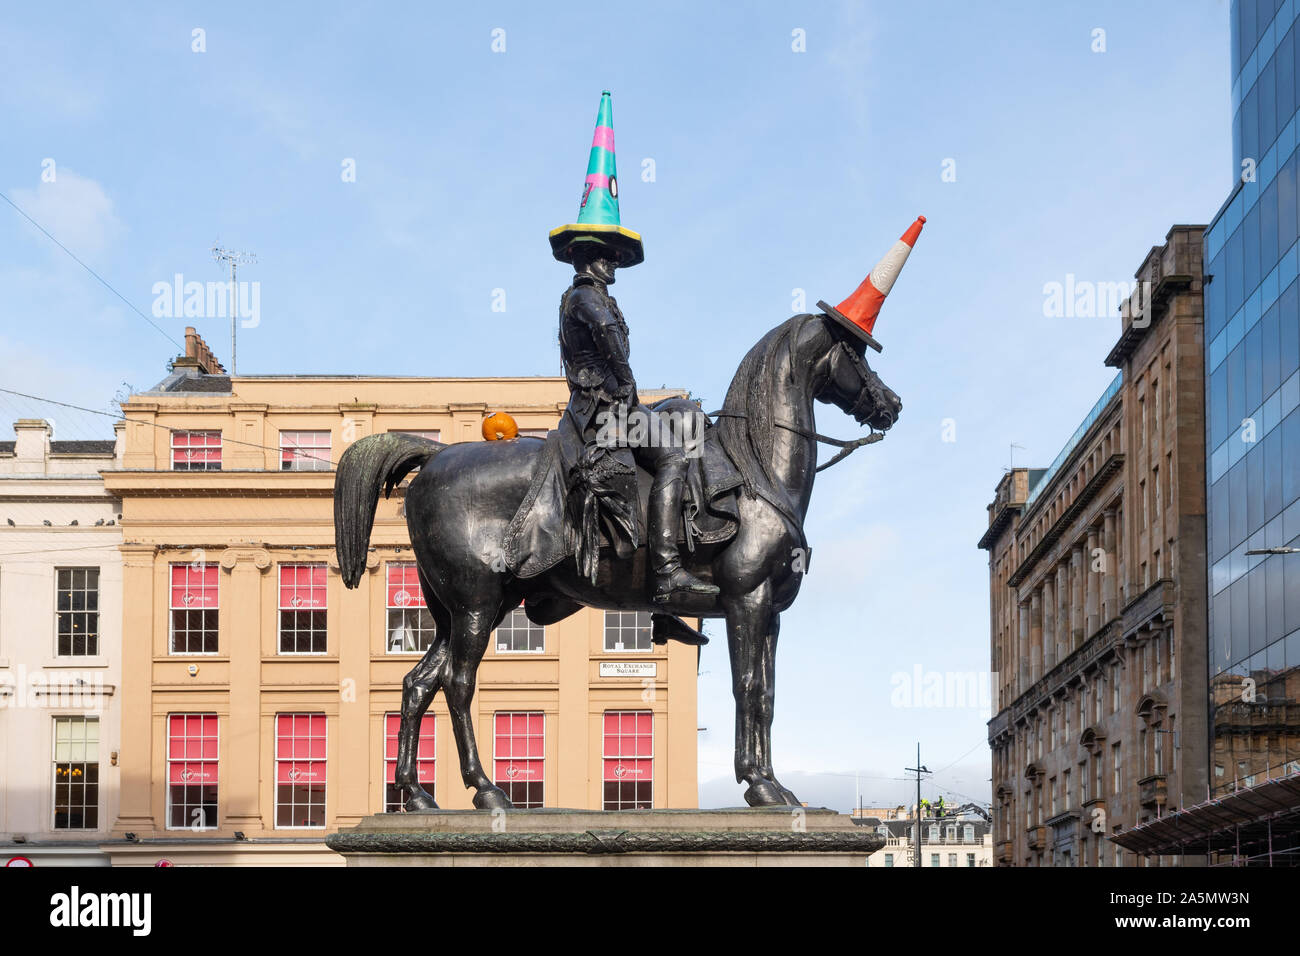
(598, 213)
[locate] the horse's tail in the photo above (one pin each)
(368, 465)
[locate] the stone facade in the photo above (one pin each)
(1097, 596)
(60, 646)
(256, 513)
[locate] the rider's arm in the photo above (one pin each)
(609, 337)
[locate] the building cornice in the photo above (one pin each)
(151, 483)
(1133, 334)
(999, 523)
(1058, 528)
(1155, 605)
(1102, 642)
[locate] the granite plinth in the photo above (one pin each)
(781, 836)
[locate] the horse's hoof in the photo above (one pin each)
(786, 793)
(764, 793)
(492, 798)
(420, 802)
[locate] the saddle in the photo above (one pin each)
(559, 514)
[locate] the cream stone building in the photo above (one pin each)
(60, 647)
(260, 696)
(960, 838)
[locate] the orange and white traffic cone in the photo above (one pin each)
(858, 312)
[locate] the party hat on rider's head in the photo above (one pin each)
(598, 220)
(858, 312)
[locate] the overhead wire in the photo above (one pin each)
(102, 281)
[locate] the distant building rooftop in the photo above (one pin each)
(1039, 480)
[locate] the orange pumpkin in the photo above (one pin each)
(499, 426)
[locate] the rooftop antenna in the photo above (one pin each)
(1011, 463)
(235, 258)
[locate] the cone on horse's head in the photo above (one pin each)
(598, 220)
(858, 312)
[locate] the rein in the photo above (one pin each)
(847, 447)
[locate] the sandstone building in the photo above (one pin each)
(259, 696)
(1097, 591)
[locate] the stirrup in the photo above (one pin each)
(681, 582)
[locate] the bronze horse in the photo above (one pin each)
(459, 506)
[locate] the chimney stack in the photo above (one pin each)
(198, 355)
(31, 445)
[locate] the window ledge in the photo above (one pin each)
(75, 663)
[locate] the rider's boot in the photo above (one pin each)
(671, 579)
(669, 627)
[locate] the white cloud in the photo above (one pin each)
(73, 209)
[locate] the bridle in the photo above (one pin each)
(868, 397)
(846, 446)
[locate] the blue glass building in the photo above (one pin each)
(1252, 329)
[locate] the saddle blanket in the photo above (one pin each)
(542, 533)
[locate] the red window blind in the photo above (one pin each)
(302, 587)
(520, 747)
(404, 585)
(300, 748)
(192, 749)
(193, 587)
(308, 451)
(196, 451)
(629, 746)
(424, 754)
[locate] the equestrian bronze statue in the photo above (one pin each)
(624, 506)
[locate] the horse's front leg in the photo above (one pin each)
(749, 618)
(766, 703)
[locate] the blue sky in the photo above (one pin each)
(774, 170)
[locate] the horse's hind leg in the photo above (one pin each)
(419, 687)
(470, 632)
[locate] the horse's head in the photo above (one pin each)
(848, 382)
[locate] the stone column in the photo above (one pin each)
(241, 638)
(681, 765)
(1078, 568)
(1036, 667)
(135, 759)
(1092, 603)
(1062, 610)
(1109, 591)
(1049, 622)
(466, 421)
(1022, 648)
(576, 638)
(350, 639)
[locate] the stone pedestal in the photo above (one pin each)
(780, 836)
